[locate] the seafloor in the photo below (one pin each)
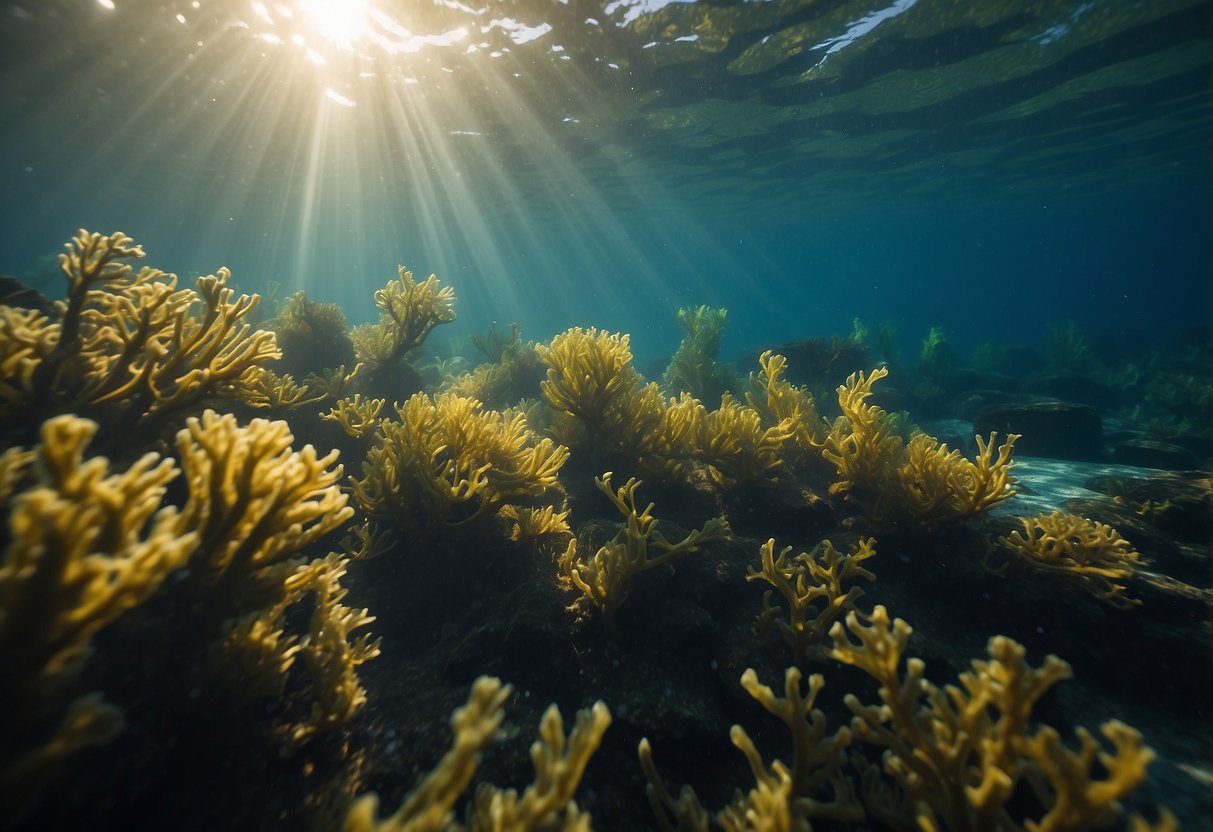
(238, 712)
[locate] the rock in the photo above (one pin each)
(1151, 528)
(1180, 503)
(1073, 387)
(13, 292)
(969, 405)
(1060, 430)
(1150, 453)
(815, 362)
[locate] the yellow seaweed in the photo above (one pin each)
(1091, 553)
(448, 463)
(255, 502)
(604, 578)
(960, 753)
(547, 803)
(409, 311)
(813, 587)
(779, 402)
(128, 345)
(85, 545)
(357, 416)
(783, 798)
(925, 481)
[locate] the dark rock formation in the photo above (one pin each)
(1061, 430)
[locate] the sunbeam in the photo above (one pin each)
(543, 158)
(342, 22)
(452, 289)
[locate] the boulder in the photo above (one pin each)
(1151, 453)
(1059, 430)
(1073, 387)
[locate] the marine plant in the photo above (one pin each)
(255, 502)
(267, 389)
(261, 649)
(356, 416)
(128, 347)
(1068, 348)
(596, 393)
(603, 405)
(693, 368)
(1087, 551)
(939, 484)
(489, 383)
(514, 372)
(820, 362)
(446, 463)
(971, 757)
(538, 416)
(777, 401)
(494, 346)
(860, 331)
(1181, 395)
(923, 481)
(531, 523)
(559, 760)
(333, 382)
(312, 335)
(604, 578)
(259, 507)
(813, 585)
(863, 447)
(365, 541)
(736, 445)
(409, 311)
(85, 544)
(783, 798)
(677, 433)
(934, 354)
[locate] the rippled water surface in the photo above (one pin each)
(604, 163)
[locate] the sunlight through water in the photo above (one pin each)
(411, 333)
(422, 140)
(341, 21)
(551, 159)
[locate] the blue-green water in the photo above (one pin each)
(1026, 181)
(991, 168)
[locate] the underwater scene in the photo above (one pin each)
(770, 415)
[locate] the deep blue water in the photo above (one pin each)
(992, 173)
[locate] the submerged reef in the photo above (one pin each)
(208, 622)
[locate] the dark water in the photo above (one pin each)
(999, 169)
(991, 168)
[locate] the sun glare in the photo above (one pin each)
(340, 21)
(363, 132)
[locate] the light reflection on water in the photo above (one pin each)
(579, 163)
